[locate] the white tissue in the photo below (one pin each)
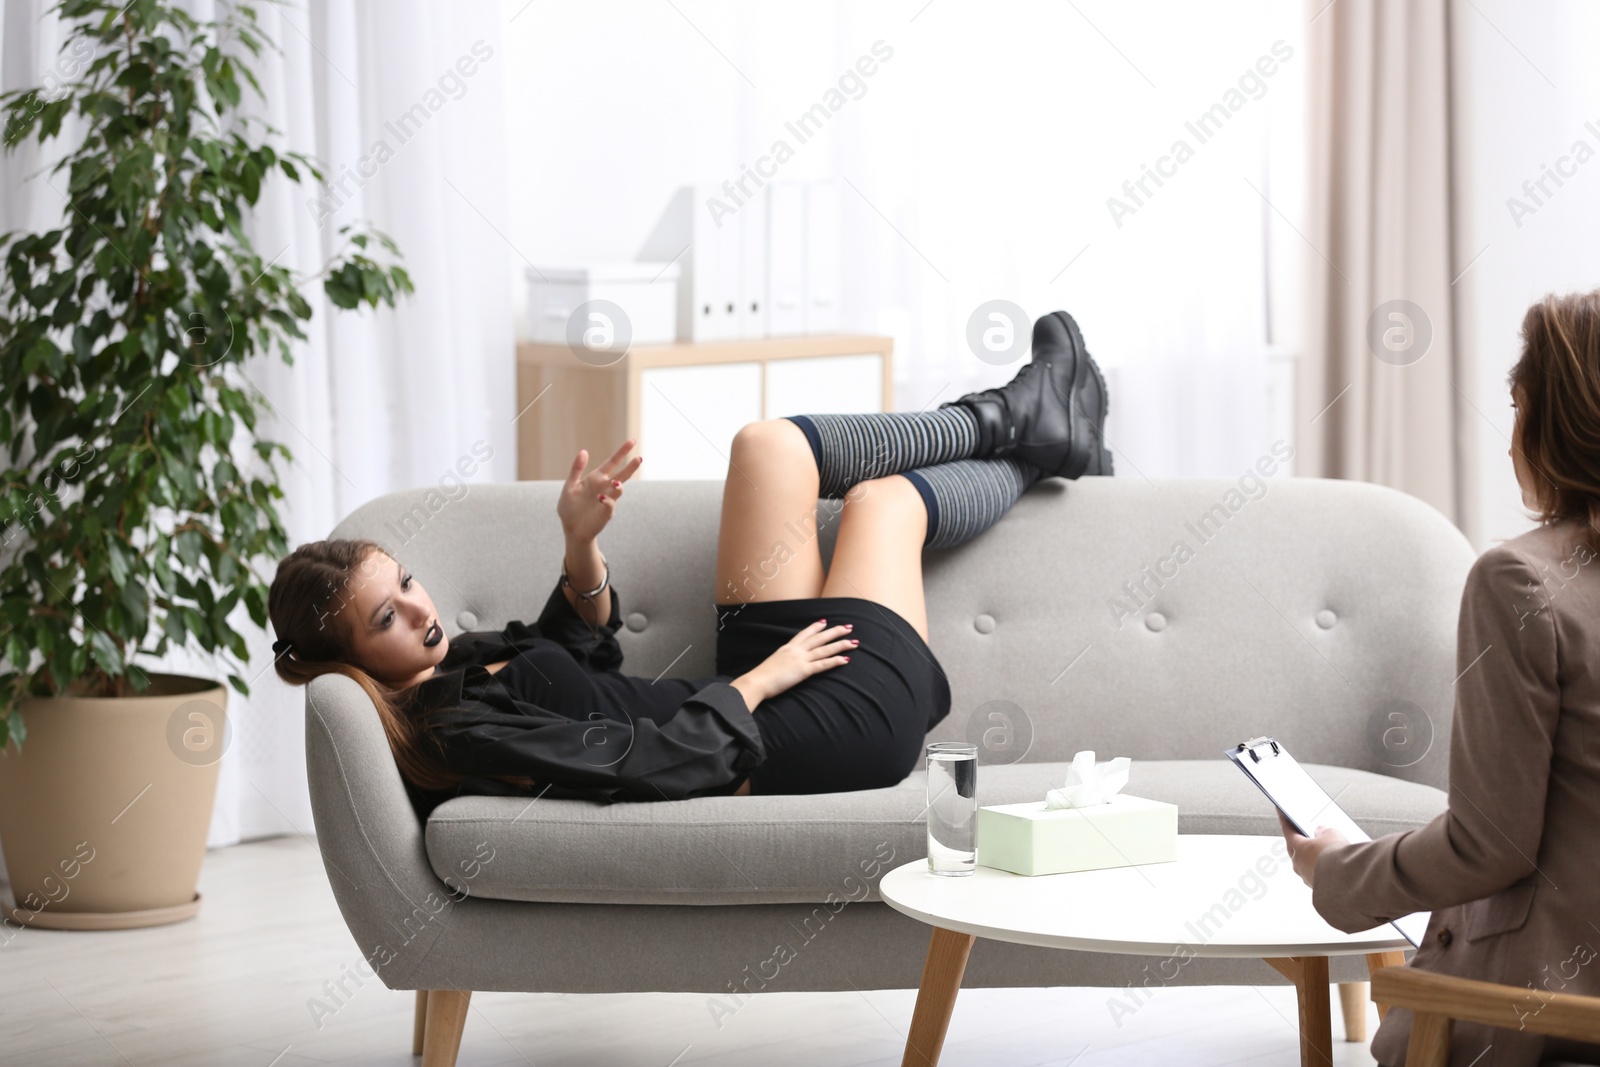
(1089, 783)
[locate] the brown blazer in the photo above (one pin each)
(1511, 870)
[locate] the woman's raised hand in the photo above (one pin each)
(590, 496)
(815, 649)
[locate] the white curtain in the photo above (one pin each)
(374, 403)
(1381, 188)
(995, 142)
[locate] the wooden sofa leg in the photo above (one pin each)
(1353, 1000)
(446, 1019)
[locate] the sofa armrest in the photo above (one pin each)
(368, 833)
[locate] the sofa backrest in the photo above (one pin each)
(1161, 619)
(1173, 618)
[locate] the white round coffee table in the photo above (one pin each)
(1228, 896)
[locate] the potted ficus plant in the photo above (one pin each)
(137, 498)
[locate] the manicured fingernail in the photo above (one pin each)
(849, 626)
(615, 482)
(847, 659)
(822, 620)
(855, 641)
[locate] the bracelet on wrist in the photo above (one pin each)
(597, 590)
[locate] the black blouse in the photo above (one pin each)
(562, 713)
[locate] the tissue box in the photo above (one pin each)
(1030, 839)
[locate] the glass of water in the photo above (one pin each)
(952, 807)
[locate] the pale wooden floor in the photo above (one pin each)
(232, 988)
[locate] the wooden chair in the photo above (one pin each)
(1436, 1001)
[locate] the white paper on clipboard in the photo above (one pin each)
(1307, 806)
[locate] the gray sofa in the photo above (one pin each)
(1311, 609)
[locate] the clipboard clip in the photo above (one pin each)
(1254, 743)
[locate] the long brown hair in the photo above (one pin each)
(1558, 380)
(313, 585)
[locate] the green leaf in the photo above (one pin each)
(105, 653)
(119, 566)
(82, 344)
(50, 118)
(250, 182)
(341, 294)
(135, 602)
(255, 601)
(187, 544)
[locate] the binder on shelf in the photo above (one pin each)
(1307, 805)
(786, 259)
(687, 234)
(726, 243)
(822, 257)
(752, 219)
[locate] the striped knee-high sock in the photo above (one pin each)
(852, 448)
(966, 497)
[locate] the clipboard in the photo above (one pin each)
(1307, 806)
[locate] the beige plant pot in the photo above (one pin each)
(105, 808)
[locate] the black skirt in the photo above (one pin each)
(859, 725)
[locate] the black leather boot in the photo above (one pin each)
(1053, 413)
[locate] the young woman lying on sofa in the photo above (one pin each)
(825, 681)
(1511, 868)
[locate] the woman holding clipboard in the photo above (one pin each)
(1511, 869)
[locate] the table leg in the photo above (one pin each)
(1377, 960)
(1310, 977)
(936, 996)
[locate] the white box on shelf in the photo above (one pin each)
(647, 293)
